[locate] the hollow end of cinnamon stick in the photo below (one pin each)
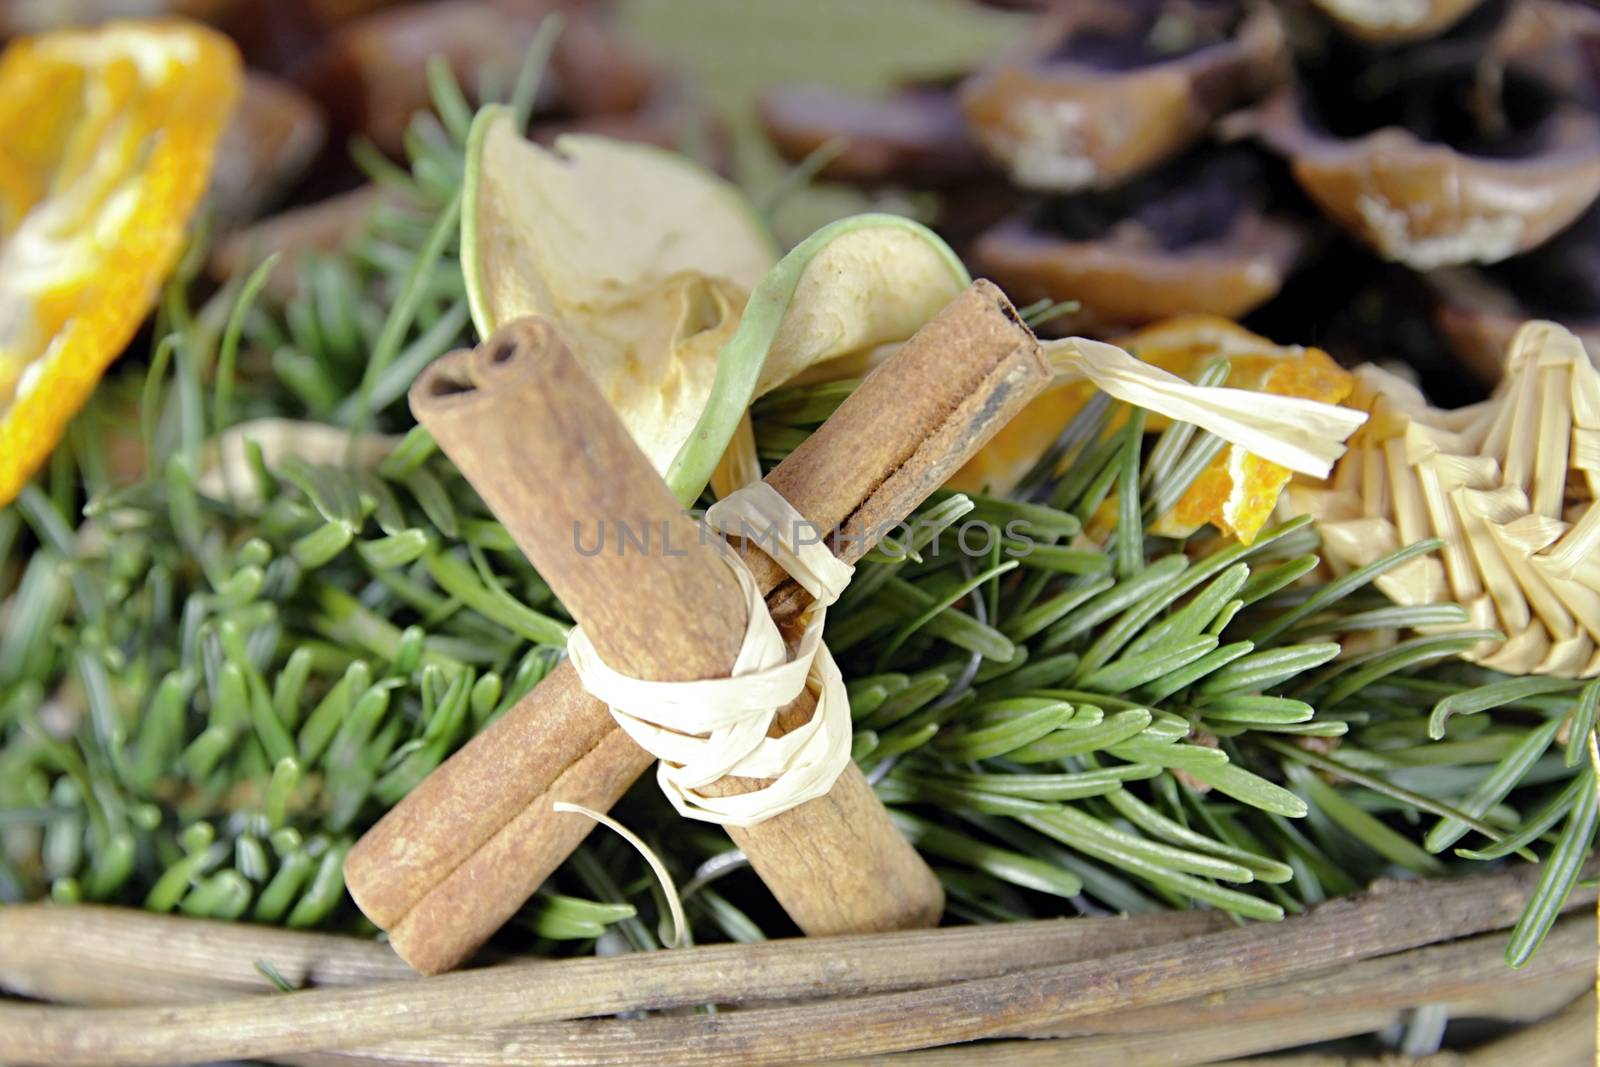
(528, 427)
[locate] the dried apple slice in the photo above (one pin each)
(641, 258)
(645, 262)
(851, 287)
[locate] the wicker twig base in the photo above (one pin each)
(173, 990)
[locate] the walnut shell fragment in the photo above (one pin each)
(1557, 41)
(1100, 95)
(324, 226)
(917, 137)
(669, 119)
(1479, 318)
(1390, 22)
(1192, 246)
(275, 133)
(1479, 309)
(1428, 205)
(23, 17)
(371, 73)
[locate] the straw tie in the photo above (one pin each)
(706, 729)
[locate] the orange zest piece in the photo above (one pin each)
(106, 143)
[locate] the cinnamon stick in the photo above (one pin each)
(453, 861)
(526, 424)
(822, 478)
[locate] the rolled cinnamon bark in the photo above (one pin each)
(449, 864)
(890, 464)
(525, 423)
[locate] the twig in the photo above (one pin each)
(1567, 1038)
(101, 955)
(1469, 976)
(1390, 918)
(115, 956)
(1451, 973)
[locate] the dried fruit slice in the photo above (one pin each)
(641, 258)
(662, 279)
(106, 143)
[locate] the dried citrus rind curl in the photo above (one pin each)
(106, 142)
(1239, 490)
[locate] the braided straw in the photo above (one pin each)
(1507, 485)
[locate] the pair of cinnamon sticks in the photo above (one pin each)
(519, 416)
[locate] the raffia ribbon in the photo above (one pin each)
(707, 729)
(1303, 435)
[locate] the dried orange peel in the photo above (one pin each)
(1239, 490)
(106, 143)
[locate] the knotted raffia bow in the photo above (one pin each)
(706, 729)
(703, 730)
